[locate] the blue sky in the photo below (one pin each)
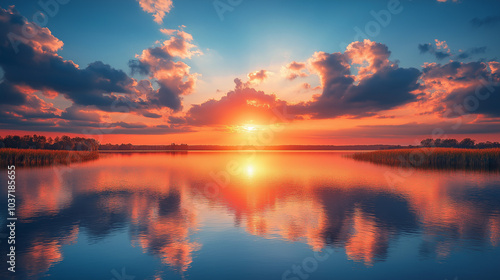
(114, 31)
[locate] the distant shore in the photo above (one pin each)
(176, 148)
(435, 158)
(32, 157)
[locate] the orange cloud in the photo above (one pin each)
(462, 88)
(442, 45)
(237, 107)
(370, 56)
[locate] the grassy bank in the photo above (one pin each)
(439, 158)
(21, 157)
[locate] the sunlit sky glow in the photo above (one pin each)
(284, 72)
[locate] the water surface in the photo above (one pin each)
(245, 215)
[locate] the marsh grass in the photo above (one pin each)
(436, 158)
(28, 157)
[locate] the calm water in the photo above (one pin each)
(269, 215)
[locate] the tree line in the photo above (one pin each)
(466, 143)
(42, 142)
(125, 147)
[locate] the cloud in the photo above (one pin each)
(38, 115)
(485, 21)
(161, 63)
(370, 56)
(495, 67)
(159, 8)
(258, 76)
(441, 51)
(412, 129)
(76, 113)
(37, 66)
(471, 52)
(17, 30)
(11, 95)
(31, 67)
(294, 70)
(241, 105)
(464, 87)
(379, 85)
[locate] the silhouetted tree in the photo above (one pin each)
(429, 142)
(41, 142)
(449, 143)
(467, 143)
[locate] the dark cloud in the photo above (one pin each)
(471, 52)
(129, 125)
(168, 96)
(413, 129)
(30, 65)
(424, 48)
(441, 54)
(52, 123)
(471, 88)
(34, 63)
(430, 48)
(137, 67)
(381, 85)
(75, 113)
(162, 65)
(10, 95)
(485, 21)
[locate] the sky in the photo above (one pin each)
(235, 72)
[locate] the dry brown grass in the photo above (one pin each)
(25, 157)
(440, 158)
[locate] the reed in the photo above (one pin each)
(28, 157)
(438, 158)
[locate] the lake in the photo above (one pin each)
(252, 215)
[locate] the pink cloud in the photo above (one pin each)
(370, 56)
(293, 70)
(495, 67)
(307, 86)
(162, 64)
(39, 38)
(442, 45)
(458, 88)
(156, 7)
(258, 76)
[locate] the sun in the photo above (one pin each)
(249, 128)
(246, 128)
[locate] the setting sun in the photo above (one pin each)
(249, 128)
